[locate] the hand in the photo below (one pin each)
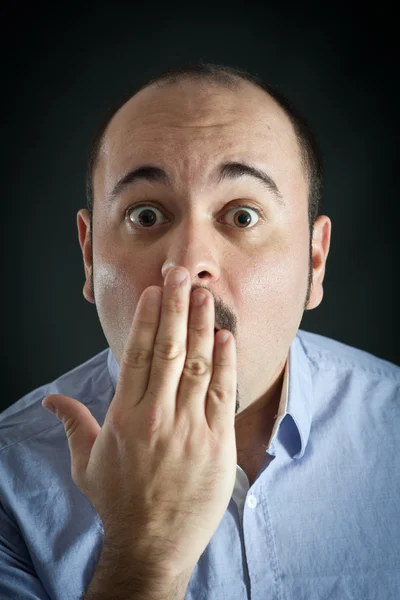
(161, 470)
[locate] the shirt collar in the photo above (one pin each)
(293, 423)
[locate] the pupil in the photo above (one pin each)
(244, 218)
(149, 217)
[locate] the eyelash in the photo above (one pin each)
(145, 205)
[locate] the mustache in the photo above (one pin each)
(224, 316)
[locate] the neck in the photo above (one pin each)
(268, 402)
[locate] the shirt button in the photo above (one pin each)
(252, 501)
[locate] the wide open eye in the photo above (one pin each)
(241, 215)
(146, 216)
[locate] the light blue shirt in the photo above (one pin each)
(321, 521)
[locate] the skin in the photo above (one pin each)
(257, 272)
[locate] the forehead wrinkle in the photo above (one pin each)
(136, 138)
(140, 141)
(192, 170)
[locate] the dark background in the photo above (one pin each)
(61, 72)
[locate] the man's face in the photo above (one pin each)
(256, 264)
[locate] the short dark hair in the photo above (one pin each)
(231, 78)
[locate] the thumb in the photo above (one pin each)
(80, 426)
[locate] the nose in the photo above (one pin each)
(200, 275)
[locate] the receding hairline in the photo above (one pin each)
(228, 81)
(311, 159)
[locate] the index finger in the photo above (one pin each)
(136, 359)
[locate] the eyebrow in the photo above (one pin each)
(230, 171)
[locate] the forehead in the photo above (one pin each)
(188, 127)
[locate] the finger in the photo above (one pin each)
(137, 356)
(221, 398)
(170, 344)
(198, 367)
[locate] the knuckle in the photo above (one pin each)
(174, 304)
(197, 366)
(168, 350)
(197, 328)
(218, 393)
(136, 358)
(70, 426)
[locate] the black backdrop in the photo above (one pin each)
(63, 69)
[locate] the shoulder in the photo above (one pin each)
(354, 389)
(327, 354)
(26, 417)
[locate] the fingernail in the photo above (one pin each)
(176, 276)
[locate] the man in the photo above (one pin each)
(179, 466)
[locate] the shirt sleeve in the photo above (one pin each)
(18, 579)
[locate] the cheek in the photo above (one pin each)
(116, 301)
(276, 279)
(107, 282)
(118, 287)
(117, 295)
(272, 294)
(117, 278)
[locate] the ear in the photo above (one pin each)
(83, 223)
(320, 249)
